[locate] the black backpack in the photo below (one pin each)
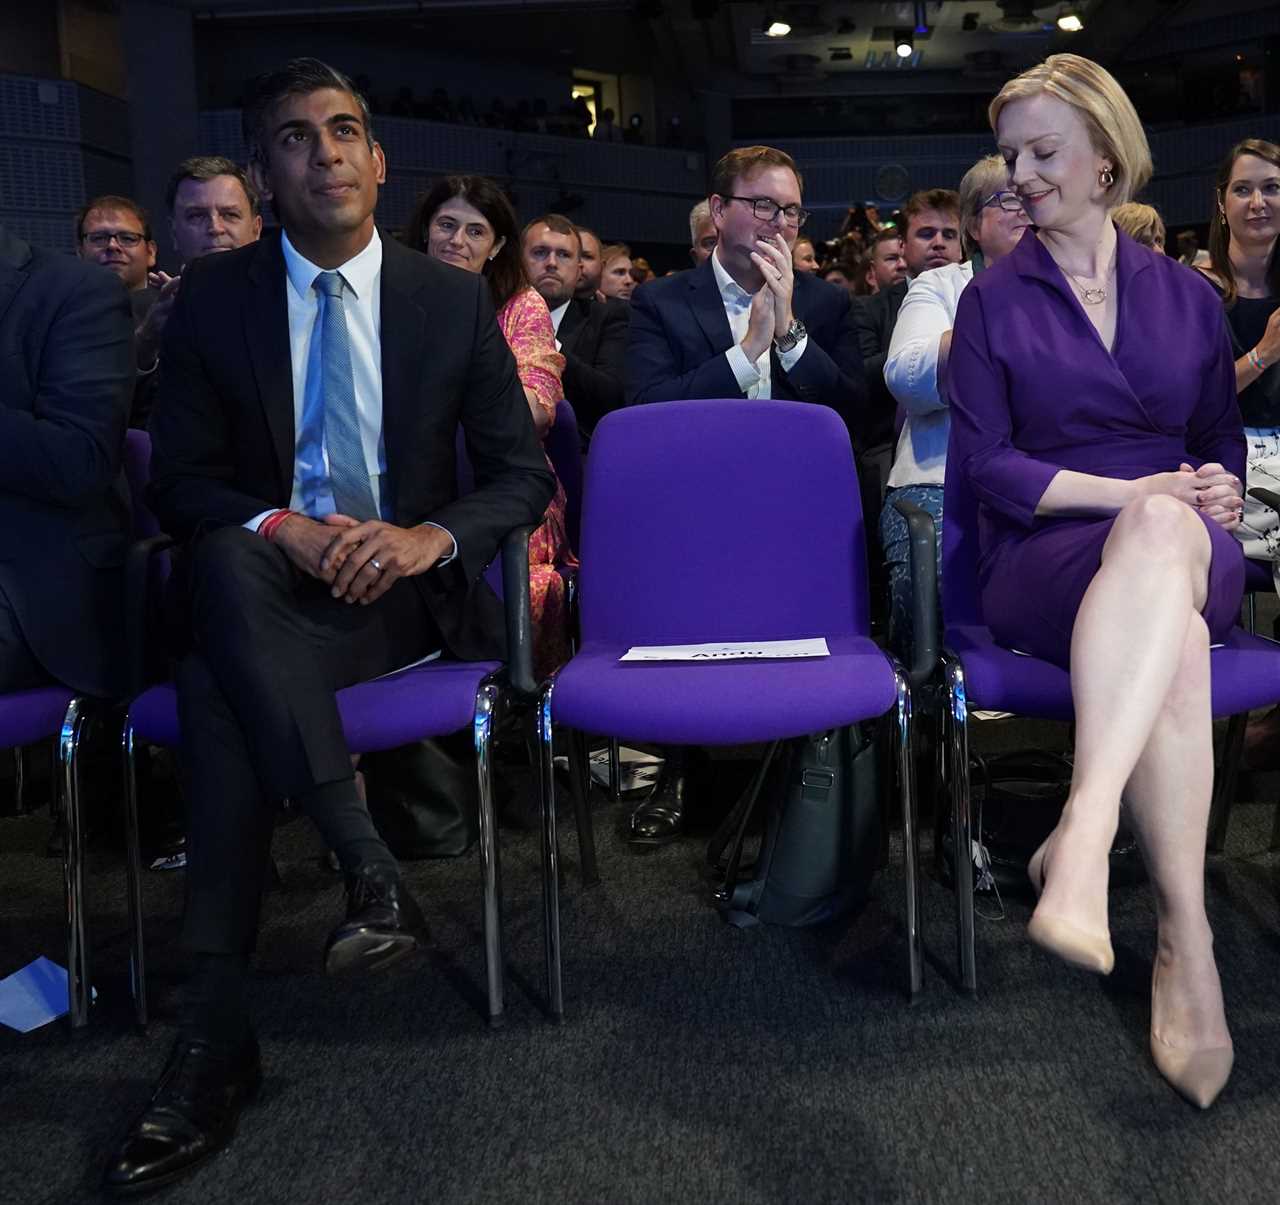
(821, 840)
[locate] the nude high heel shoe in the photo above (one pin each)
(1198, 1074)
(1087, 951)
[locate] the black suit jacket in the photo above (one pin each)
(680, 332)
(875, 318)
(223, 430)
(66, 376)
(593, 341)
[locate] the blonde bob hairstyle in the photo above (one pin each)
(985, 178)
(1140, 222)
(1108, 114)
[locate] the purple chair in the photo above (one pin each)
(980, 674)
(722, 520)
(33, 715)
(564, 449)
(412, 704)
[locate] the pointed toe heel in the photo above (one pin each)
(1196, 1075)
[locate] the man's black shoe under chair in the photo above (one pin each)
(190, 1117)
(384, 924)
(660, 818)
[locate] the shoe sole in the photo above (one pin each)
(361, 953)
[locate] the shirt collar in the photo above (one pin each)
(360, 272)
(557, 315)
(731, 292)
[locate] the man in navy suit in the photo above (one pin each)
(743, 324)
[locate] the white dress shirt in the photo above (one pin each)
(911, 373)
(557, 317)
(755, 380)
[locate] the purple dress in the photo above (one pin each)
(1034, 390)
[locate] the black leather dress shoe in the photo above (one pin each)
(384, 924)
(191, 1116)
(660, 818)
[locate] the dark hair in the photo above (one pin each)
(298, 77)
(505, 272)
(883, 236)
(858, 275)
(743, 161)
(1220, 233)
(210, 167)
(945, 199)
(111, 201)
(556, 222)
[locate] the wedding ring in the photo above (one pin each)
(374, 562)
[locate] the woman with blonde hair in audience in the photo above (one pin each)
(1245, 270)
(1093, 415)
(991, 223)
(615, 272)
(466, 221)
(1140, 222)
(803, 256)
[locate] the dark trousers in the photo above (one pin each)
(19, 669)
(259, 718)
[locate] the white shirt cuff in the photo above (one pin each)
(744, 372)
(444, 560)
(788, 358)
(258, 520)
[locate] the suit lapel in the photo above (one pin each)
(574, 321)
(708, 307)
(404, 343)
(266, 325)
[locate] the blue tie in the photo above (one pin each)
(348, 471)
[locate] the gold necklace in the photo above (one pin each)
(1094, 296)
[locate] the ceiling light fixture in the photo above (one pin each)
(1070, 20)
(777, 29)
(904, 43)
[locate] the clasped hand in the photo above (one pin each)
(1210, 489)
(344, 558)
(771, 306)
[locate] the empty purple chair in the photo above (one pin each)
(980, 674)
(428, 700)
(722, 521)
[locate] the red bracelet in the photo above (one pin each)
(271, 524)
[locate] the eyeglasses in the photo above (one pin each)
(102, 238)
(767, 209)
(1010, 202)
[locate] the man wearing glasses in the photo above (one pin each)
(742, 324)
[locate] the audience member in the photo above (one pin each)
(641, 272)
(702, 233)
(931, 238)
(607, 130)
(466, 221)
(1245, 270)
(1142, 223)
(744, 324)
(615, 272)
(886, 262)
(590, 265)
(67, 336)
(836, 274)
(590, 334)
(915, 370)
(324, 350)
(1102, 547)
(1188, 246)
(803, 258)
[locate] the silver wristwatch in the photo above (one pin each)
(794, 333)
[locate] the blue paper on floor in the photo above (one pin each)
(34, 996)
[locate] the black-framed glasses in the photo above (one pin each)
(767, 209)
(1010, 202)
(102, 238)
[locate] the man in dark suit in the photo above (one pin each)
(743, 324)
(590, 334)
(305, 456)
(66, 355)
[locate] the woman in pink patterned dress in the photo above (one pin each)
(467, 222)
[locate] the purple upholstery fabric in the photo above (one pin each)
(32, 715)
(726, 521)
(426, 700)
(564, 449)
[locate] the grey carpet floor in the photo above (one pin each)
(697, 1062)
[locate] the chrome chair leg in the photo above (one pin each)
(550, 857)
(133, 879)
(962, 870)
(20, 779)
(615, 770)
(1224, 784)
(910, 843)
(490, 870)
(78, 985)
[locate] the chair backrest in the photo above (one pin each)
(137, 471)
(564, 450)
(725, 520)
(961, 603)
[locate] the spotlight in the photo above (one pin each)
(904, 43)
(1070, 20)
(776, 29)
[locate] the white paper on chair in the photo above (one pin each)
(757, 650)
(34, 996)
